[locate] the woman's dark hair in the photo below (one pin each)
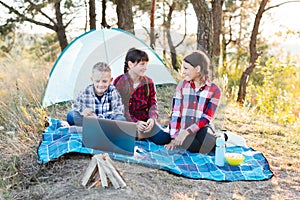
(134, 55)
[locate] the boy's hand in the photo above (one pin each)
(88, 112)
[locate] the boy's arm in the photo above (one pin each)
(116, 103)
(78, 104)
(84, 100)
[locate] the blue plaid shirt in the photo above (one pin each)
(108, 106)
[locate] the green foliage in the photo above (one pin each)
(46, 47)
(272, 91)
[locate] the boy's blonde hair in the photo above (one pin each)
(102, 67)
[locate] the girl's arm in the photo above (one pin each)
(176, 112)
(153, 110)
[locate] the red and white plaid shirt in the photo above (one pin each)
(192, 109)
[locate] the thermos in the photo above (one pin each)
(220, 151)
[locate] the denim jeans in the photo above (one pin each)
(75, 118)
(158, 136)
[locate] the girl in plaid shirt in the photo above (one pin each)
(100, 99)
(194, 104)
(139, 95)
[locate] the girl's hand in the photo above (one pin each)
(141, 126)
(178, 141)
(170, 146)
(150, 124)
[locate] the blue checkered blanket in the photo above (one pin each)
(58, 141)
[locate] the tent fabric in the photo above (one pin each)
(71, 71)
(58, 141)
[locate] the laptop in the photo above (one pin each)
(109, 135)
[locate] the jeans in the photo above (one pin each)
(75, 118)
(157, 135)
(161, 138)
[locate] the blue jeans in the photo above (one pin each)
(75, 118)
(158, 136)
(161, 138)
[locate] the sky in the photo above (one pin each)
(275, 20)
(283, 18)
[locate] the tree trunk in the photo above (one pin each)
(217, 29)
(169, 38)
(152, 30)
(92, 8)
(59, 27)
(253, 54)
(125, 16)
(103, 21)
(204, 31)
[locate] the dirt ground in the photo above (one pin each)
(61, 178)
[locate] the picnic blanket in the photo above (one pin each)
(58, 140)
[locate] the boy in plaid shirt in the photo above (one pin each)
(100, 99)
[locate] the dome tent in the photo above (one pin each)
(71, 71)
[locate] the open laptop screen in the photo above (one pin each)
(109, 135)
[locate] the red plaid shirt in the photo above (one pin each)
(138, 103)
(192, 109)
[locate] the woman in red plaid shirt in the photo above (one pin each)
(194, 104)
(139, 95)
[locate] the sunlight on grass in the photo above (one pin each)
(22, 121)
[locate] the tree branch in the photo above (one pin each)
(23, 17)
(280, 5)
(40, 11)
(184, 36)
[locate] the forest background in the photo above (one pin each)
(254, 71)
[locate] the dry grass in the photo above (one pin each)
(21, 116)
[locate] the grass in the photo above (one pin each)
(22, 124)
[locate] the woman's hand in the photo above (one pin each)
(141, 126)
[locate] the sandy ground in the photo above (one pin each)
(61, 179)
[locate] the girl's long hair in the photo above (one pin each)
(135, 56)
